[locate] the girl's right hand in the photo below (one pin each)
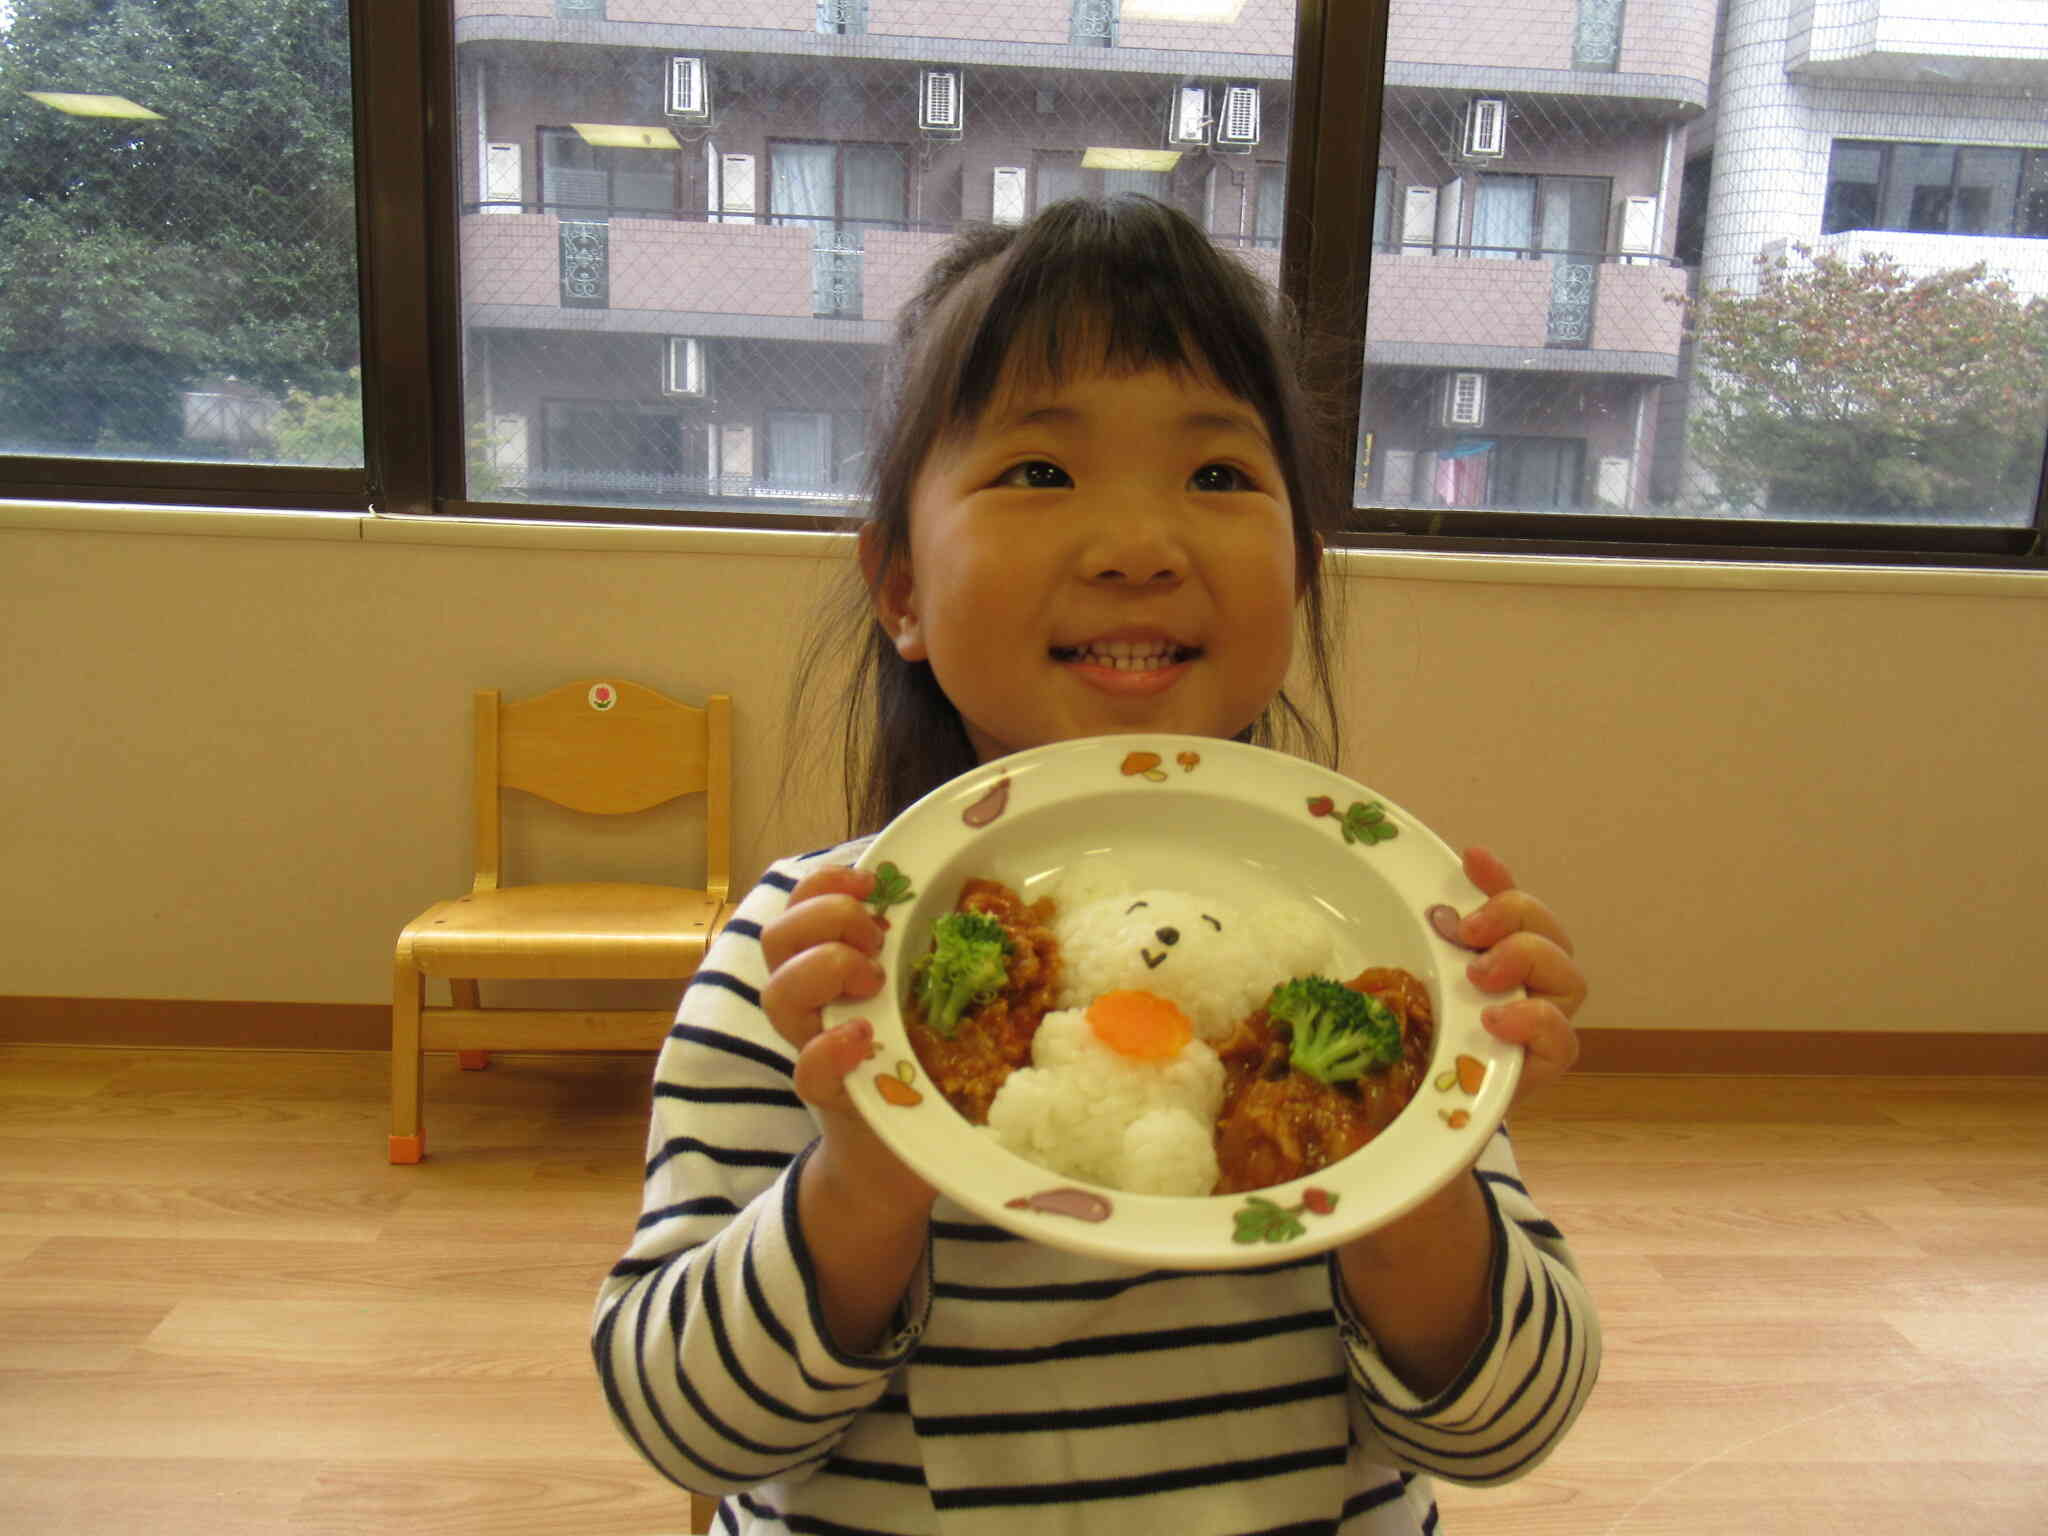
(821, 950)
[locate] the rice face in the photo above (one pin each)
(1085, 1111)
(1218, 960)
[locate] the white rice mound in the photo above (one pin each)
(1223, 963)
(1088, 1112)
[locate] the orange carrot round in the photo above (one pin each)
(1141, 1025)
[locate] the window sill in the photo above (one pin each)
(1374, 564)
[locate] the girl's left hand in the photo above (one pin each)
(1522, 944)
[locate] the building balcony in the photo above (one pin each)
(541, 271)
(1022, 31)
(1557, 314)
(1987, 43)
(1652, 50)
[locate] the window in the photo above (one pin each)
(1579, 222)
(581, 178)
(1533, 216)
(178, 262)
(1936, 189)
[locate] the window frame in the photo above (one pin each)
(2032, 163)
(414, 436)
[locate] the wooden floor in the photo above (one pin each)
(222, 1313)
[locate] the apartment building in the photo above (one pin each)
(1902, 127)
(687, 225)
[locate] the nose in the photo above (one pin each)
(1167, 936)
(1137, 542)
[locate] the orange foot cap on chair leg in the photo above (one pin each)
(408, 1149)
(473, 1061)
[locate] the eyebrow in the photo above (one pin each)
(1192, 421)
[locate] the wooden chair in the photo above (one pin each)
(606, 748)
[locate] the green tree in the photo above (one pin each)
(1856, 386)
(138, 256)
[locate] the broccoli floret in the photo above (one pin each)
(967, 967)
(1339, 1034)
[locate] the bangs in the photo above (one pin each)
(1114, 288)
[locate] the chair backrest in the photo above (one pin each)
(605, 747)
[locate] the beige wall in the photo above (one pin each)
(235, 765)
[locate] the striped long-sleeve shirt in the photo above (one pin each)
(1023, 1382)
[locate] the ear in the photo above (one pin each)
(894, 592)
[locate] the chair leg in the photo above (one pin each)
(465, 995)
(408, 994)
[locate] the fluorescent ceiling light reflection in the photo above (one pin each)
(1222, 12)
(81, 105)
(625, 136)
(1131, 159)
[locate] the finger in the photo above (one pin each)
(829, 917)
(824, 1064)
(801, 986)
(1485, 870)
(1509, 912)
(1534, 963)
(1545, 1033)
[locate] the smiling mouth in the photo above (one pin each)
(1128, 656)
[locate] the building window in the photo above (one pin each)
(1523, 474)
(1062, 175)
(1936, 189)
(610, 447)
(1383, 231)
(582, 180)
(1529, 217)
(814, 451)
(1270, 215)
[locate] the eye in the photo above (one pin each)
(1134, 907)
(1212, 922)
(1220, 477)
(1037, 475)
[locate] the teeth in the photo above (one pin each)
(1125, 655)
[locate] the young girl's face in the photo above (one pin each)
(1111, 553)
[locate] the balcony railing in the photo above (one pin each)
(1460, 306)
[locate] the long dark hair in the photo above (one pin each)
(1128, 284)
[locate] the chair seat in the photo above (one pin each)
(655, 932)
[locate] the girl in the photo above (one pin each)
(1096, 512)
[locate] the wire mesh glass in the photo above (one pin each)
(177, 232)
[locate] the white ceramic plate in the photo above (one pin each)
(1216, 819)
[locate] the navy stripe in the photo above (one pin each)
(1540, 1229)
(749, 995)
(730, 1157)
(1117, 1414)
(704, 1205)
(640, 1317)
(714, 1313)
(746, 927)
(1168, 1481)
(732, 1045)
(1373, 1498)
(1094, 1290)
(1505, 1181)
(807, 1525)
(1129, 1343)
(779, 880)
(601, 1351)
(876, 1471)
(973, 1232)
(633, 1268)
(764, 1313)
(774, 1098)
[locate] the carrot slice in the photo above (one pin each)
(1141, 1025)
